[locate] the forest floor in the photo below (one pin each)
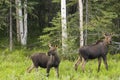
(13, 67)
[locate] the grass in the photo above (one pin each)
(13, 67)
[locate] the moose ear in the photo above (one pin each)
(49, 44)
(104, 34)
(56, 46)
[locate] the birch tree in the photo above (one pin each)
(11, 44)
(25, 23)
(64, 25)
(21, 22)
(81, 22)
(17, 21)
(20, 15)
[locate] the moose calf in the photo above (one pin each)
(46, 61)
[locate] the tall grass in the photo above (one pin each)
(13, 67)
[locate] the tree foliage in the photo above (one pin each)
(44, 21)
(4, 15)
(52, 34)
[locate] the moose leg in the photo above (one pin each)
(83, 64)
(36, 69)
(105, 62)
(29, 69)
(57, 71)
(99, 63)
(48, 70)
(77, 63)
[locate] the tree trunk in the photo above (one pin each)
(17, 21)
(64, 25)
(86, 22)
(81, 22)
(11, 44)
(20, 21)
(25, 23)
(21, 26)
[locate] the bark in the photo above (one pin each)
(11, 44)
(20, 21)
(86, 22)
(25, 22)
(17, 21)
(81, 22)
(64, 25)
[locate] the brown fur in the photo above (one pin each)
(98, 50)
(45, 61)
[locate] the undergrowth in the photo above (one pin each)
(13, 66)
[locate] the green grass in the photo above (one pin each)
(13, 67)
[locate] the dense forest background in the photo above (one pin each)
(44, 22)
